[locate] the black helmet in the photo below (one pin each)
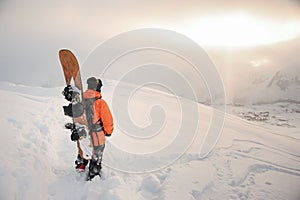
(94, 84)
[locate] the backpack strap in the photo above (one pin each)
(93, 127)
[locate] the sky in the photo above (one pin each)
(32, 32)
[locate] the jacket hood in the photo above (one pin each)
(89, 94)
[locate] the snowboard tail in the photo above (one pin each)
(70, 67)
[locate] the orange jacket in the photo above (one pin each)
(101, 111)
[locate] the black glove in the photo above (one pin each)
(106, 134)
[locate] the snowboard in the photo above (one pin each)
(72, 75)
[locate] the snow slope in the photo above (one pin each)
(37, 156)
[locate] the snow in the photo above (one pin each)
(251, 160)
(281, 117)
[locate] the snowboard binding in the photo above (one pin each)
(75, 107)
(70, 93)
(77, 131)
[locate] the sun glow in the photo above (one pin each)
(240, 30)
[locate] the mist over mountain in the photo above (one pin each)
(263, 74)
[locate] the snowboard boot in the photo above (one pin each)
(94, 169)
(80, 163)
(95, 164)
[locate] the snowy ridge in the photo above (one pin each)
(265, 87)
(248, 162)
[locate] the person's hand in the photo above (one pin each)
(106, 134)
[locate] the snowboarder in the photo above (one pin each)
(100, 124)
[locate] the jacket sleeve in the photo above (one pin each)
(106, 117)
